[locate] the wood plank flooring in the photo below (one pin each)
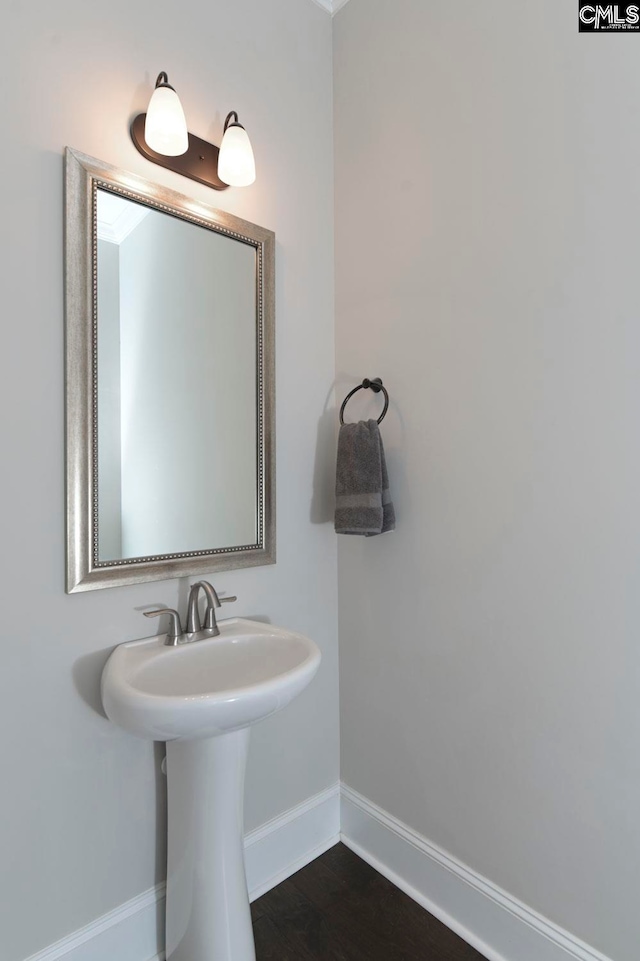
(340, 909)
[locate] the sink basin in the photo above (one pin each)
(208, 687)
(201, 698)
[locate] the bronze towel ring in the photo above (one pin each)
(376, 386)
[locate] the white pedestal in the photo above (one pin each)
(208, 915)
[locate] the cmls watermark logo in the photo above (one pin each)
(607, 17)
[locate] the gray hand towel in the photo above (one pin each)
(363, 502)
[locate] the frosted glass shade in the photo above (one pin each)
(236, 165)
(165, 129)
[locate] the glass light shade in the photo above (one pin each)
(165, 129)
(236, 165)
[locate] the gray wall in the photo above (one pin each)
(79, 805)
(487, 207)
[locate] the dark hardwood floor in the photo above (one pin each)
(340, 909)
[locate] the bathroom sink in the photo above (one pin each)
(207, 687)
(202, 697)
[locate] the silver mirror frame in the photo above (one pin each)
(84, 571)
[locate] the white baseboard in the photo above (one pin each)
(134, 931)
(498, 925)
(281, 847)
(129, 933)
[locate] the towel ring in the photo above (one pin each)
(376, 386)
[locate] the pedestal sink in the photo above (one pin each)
(201, 698)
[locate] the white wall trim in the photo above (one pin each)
(127, 933)
(273, 852)
(498, 925)
(117, 217)
(282, 846)
(331, 6)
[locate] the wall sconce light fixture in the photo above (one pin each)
(161, 136)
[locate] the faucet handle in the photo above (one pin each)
(210, 615)
(176, 627)
(213, 601)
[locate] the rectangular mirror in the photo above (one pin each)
(170, 383)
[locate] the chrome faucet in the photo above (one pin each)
(194, 625)
(195, 631)
(175, 635)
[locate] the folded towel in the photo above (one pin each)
(363, 502)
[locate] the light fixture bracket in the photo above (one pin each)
(163, 81)
(200, 162)
(232, 123)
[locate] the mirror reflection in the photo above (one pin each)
(176, 384)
